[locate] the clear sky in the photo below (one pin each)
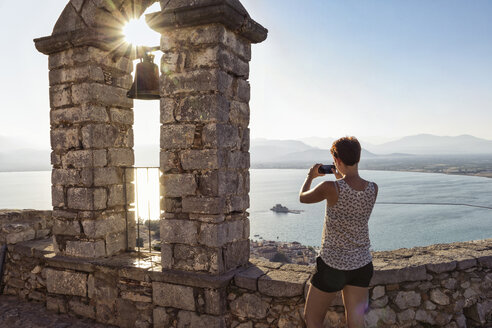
(328, 68)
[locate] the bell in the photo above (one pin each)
(146, 83)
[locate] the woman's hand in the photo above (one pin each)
(313, 171)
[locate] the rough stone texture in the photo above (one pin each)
(23, 225)
(66, 283)
(131, 290)
(180, 297)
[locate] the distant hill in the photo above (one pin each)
(290, 151)
(428, 144)
(25, 160)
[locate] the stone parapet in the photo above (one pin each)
(132, 290)
(23, 225)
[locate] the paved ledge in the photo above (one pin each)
(278, 279)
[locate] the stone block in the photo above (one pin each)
(104, 176)
(441, 266)
(242, 91)
(87, 198)
(218, 182)
(66, 227)
(203, 108)
(176, 296)
(115, 243)
(167, 106)
(72, 177)
(247, 279)
(65, 138)
(396, 275)
(221, 136)
(215, 301)
(126, 313)
(178, 185)
(66, 282)
(192, 319)
(120, 157)
(438, 297)
(194, 258)
(161, 317)
(88, 249)
(245, 140)
(213, 235)
(121, 116)
(177, 136)
(166, 255)
(102, 226)
(239, 113)
(84, 310)
(238, 203)
(101, 94)
(249, 306)
(196, 81)
(236, 254)
(169, 162)
(57, 196)
(56, 304)
(380, 317)
(116, 196)
(408, 299)
(209, 218)
(80, 114)
(60, 96)
(84, 158)
(18, 232)
(179, 231)
(206, 159)
(100, 136)
(377, 292)
(203, 205)
(76, 74)
(280, 283)
(238, 160)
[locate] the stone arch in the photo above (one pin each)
(204, 134)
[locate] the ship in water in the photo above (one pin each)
(278, 208)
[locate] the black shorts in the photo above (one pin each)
(331, 280)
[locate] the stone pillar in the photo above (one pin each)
(204, 134)
(91, 139)
(91, 130)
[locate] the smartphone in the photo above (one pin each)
(326, 169)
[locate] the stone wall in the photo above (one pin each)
(23, 225)
(447, 285)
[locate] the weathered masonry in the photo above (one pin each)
(73, 258)
(447, 285)
(204, 132)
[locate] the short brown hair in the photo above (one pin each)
(347, 149)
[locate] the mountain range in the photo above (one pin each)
(19, 156)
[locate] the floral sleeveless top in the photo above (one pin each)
(345, 243)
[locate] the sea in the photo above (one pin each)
(412, 209)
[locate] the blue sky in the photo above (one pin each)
(328, 68)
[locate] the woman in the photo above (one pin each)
(345, 262)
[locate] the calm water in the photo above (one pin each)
(390, 226)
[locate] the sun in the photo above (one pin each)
(138, 33)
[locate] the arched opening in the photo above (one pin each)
(146, 132)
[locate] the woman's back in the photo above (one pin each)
(345, 243)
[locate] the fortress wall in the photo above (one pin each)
(445, 285)
(23, 225)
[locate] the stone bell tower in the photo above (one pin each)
(204, 115)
